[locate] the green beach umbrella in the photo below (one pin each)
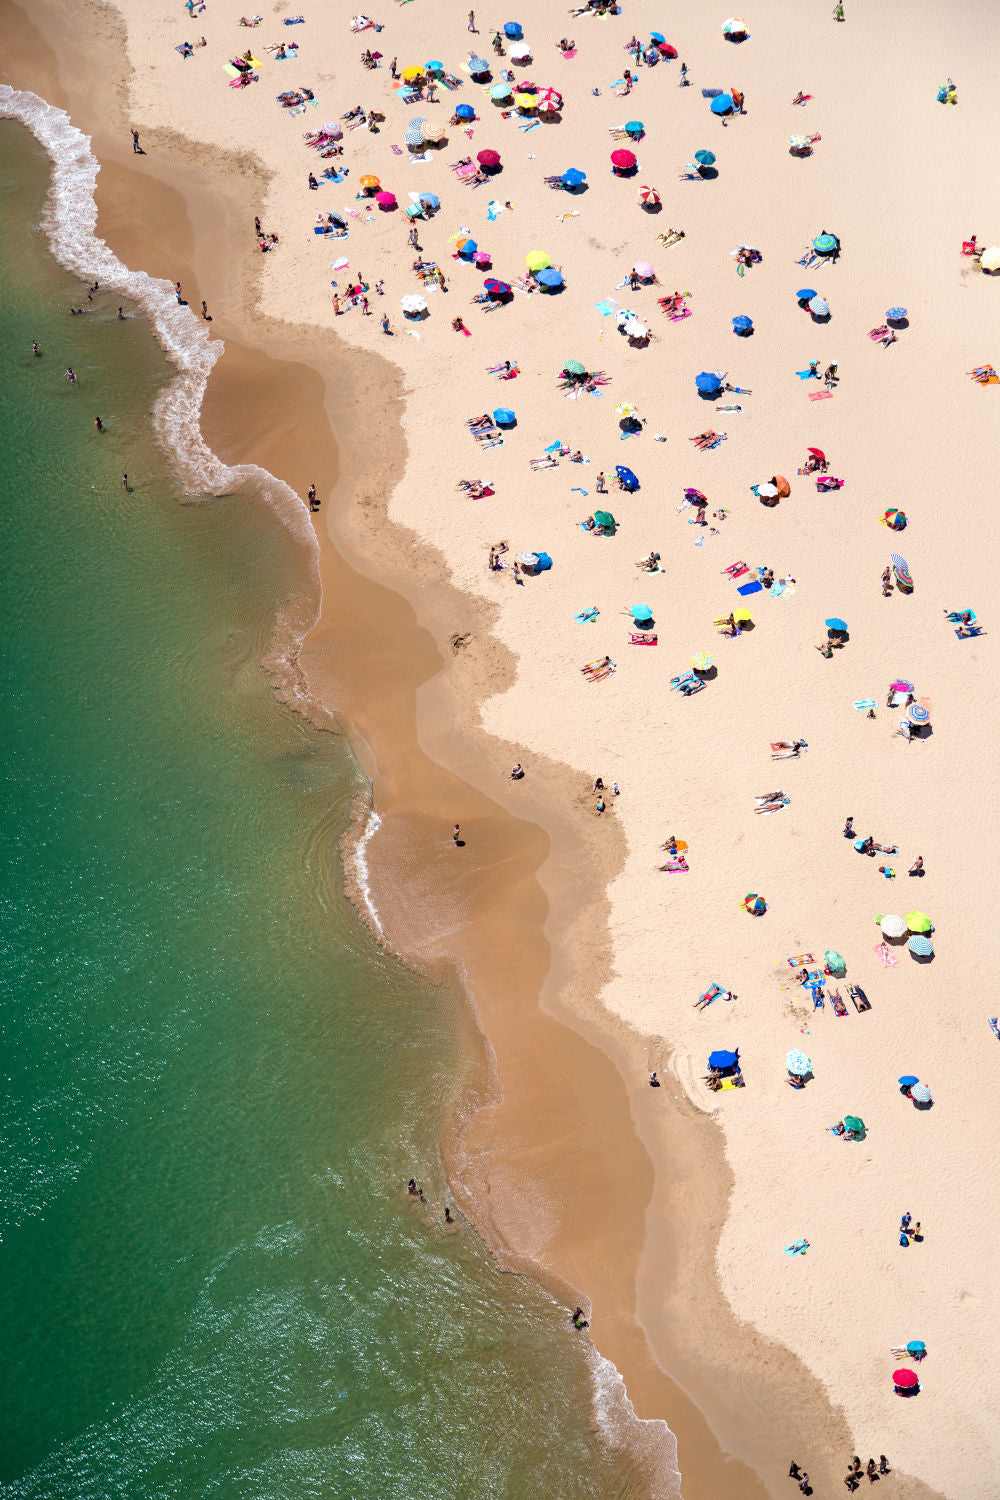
(574, 367)
(604, 518)
(824, 243)
(854, 1124)
(917, 921)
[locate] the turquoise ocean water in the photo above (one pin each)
(214, 1083)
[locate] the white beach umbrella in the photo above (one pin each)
(520, 53)
(990, 259)
(413, 303)
(893, 926)
(637, 330)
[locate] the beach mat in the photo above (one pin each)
(749, 588)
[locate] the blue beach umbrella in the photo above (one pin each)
(468, 249)
(465, 112)
(431, 199)
(634, 128)
(835, 624)
(708, 382)
(806, 294)
(742, 324)
(722, 104)
(501, 91)
(921, 946)
(504, 417)
(434, 67)
(513, 30)
(907, 1081)
(722, 1059)
(896, 314)
(478, 65)
(917, 1348)
(824, 243)
(640, 612)
(705, 158)
(549, 277)
(573, 178)
(628, 479)
(657, 36)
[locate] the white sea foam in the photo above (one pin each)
(650, 1439)
(70, 221)
(361, 870)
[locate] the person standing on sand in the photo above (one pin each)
(385, 324)
(838, 11)
(311, 497)
(136, 148)
(336, 306)
(456, 836)
(472, 23)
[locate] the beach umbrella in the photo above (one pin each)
(520, 53)
(904, 1380)
(481, 259)
(799, 142)
(574, 367)
(640, 612)
(369, 182)
(478, 65)
(705, 158)
(723, 1059)
(817, 453)
(644, 270)
(722, 104)
(836, 624)
(784, 488)
(755, 905)
(741, 616)
(648, 195)
(526, 101)
(503, 416)
(702, 661)
(918, 921)
(550, 277)
(430, 199)
(537, 260)
(628, 479)
(626, 409)
(990, 259)
(412, 303)
(742, 324)
(434, 132)
(385, 200)
(637, 330)
(467, 249)
(855, 1124)
(528, 559)
(796, 1062)
(488, 158)
(414, 137)
(893, 927)
(921, 1093)
(434, 66)
(767, 491)
(466, 111)
(496, 288)
(334, 128)
(573, 178)
(917, 1348)
(634, 128)
(412, 72)
(824, 243)
(549, 99)
(908, 1080)
(806, 294)
(918, 713)
(896, 314)
(735, 26)
(896, 519)
(501, 91)
(657, 36)
(605, 520)
(708, 382)
(819, 306)
(625, 316)
(512, 29)
(623, 160)
(921, 946)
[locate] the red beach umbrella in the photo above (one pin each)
(817, 453)
(622, 159)
(488, 158)
(905, 1379)
(648, 195)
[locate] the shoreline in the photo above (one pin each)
(407, 809)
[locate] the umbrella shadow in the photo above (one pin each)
(821, 318)
(898, 322)
(707, 674)
(651, 208)
(708, 174)
(922, 1104)
(921, 958)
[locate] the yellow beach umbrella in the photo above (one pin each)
(625, 410)
(409, 74)
(702, 661)
(525, 101)
(537, 260)
(742, 615)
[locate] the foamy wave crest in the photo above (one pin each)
(650, 1440)
(361, 870)
(70, 221)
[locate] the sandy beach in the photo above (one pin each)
(668, 1210)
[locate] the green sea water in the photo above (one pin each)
(214, 1084)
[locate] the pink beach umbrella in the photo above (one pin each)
(648, 195)
(385, 199)
(488, 158)
(644, 270)
(623, 160)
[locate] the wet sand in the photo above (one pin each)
(557, 1169)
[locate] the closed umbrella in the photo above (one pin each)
(921, 1093)
(708, 382)
(722, 104)
(990, 259)
(819, 306)
(921, 946)
(574, 178)
(893, 927)
(628, 479)
(918, 921)
(550, 277)
(834, 623)
(488, 158)
(644, 270)
(742, 324)
(623, 160)
(537, 260)
(648, 195)
(904, 1380)
(824, 243)
(797, 1063)
(705, 158)
(412, 303)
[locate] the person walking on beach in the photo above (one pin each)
(136, 148)
(414, 239)
(682, 80)
(472, 23)
(177, 293)
(838, 11)
(205, 313)
(447, 1215)
(456, 836)
(311, 497)
(385, 324)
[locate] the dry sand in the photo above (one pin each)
(905, 427)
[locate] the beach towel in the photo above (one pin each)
(863, 704)
(586, 616)
(807, 374)
(555, 447)
(799, 960)
(889, 960)
(753, 587)
(530, 126)
(396, 151)
(820, 395)
(778, 588)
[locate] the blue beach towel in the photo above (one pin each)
(750, 588)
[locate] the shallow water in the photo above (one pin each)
(215, 1083)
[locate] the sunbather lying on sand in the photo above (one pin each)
(704, 439)
(478, 423)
